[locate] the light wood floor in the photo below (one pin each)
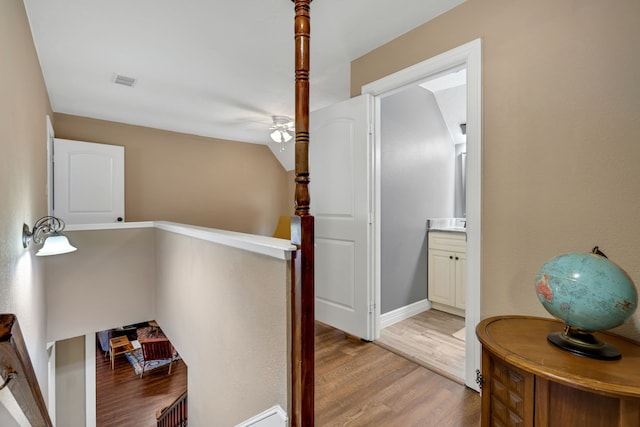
(363, 384)
(123, 399)
(428, 339)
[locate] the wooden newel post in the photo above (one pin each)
(302, 234)
(302, 29)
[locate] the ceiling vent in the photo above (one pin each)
(124, 80)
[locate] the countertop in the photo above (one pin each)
(449, 230)
(449, 225)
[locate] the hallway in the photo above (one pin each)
(362, 384)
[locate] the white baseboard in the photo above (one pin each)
(272, 417)
(399, 314)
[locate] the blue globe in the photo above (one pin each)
(586, 291)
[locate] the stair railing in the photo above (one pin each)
(174, 415)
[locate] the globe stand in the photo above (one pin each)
(582, 343)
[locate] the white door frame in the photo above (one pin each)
(469, 55)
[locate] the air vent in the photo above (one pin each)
(124, 80)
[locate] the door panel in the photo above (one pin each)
(339, 153)
(88, 182)
(334, 148)
(441, 277)
(340, 256)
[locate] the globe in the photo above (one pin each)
(589, 293)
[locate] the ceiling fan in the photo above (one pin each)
(282, 130)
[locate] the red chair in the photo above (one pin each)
(156, 349)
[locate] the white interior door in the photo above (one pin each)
(340, 153)
(88, 182)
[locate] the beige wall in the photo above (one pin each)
(24, 105)
(291, 192)
(560, 133)
(70, 382)
(108, 282)
(228, 322)
(189, 179)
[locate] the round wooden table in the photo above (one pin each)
(527, 381)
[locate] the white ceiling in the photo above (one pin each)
(450, 91)
(206, 67)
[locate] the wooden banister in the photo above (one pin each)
(18, 374)
(174, 415)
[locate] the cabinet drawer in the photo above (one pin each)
(508, 394)
(446, 241)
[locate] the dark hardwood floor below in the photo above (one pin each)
(123, 399)
(362, 384)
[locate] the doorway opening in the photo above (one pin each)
(422, 162)
(404, 152)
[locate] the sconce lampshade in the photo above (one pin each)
(55, 244)
(47, 232)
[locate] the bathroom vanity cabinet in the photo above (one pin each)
(447, 271)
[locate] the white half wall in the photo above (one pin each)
(226, 310)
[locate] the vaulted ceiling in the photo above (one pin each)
(206, 67)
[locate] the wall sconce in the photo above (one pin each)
(47, 230)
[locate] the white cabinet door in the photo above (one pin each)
(88, 182)
(461, 280)
(447, 271)
(340, 168)
(441, 278)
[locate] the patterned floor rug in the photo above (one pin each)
(136, 361)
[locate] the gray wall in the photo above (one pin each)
(417, 182)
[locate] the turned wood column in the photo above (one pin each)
(302, 30)
(302, 235)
